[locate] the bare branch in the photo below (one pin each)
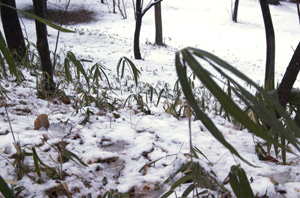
(150, 5)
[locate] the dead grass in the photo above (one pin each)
(72, 17)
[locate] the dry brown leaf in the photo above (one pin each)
(41, 121)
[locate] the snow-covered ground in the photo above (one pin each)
(116, 149)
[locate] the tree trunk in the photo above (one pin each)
(289, 78)
(235, 11)
(270, 38)
(158, 25)
(138, 25)
(274, 2)
(12, 29)
(114, 6)
(136, 47)
(42, 45)
(298, 9)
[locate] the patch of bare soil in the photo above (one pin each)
(70, 17)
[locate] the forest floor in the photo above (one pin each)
(120, 146)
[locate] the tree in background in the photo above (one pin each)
(235, 11)
(12, 29)
(139, 13)
(42, 45)
(158, 25)
(270, 38)
(289, 78)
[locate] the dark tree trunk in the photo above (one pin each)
(139, 13)
(45, 7)
(42, 45)
(274, 2)
(270, 38)
(114, 6)
(289, 78)
(158, 25)
(298, 9)
(12, 29)
(138, 25)
(235, 11)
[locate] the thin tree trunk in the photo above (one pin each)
(298, 9)
(138, 25)
(270, 38)
(12, 29)
(42, 45)
(114, 6)
(289, 78)
(158, 25)
(235, 11)
(274, 2)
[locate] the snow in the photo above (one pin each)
(135, 139)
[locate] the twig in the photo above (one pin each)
(9, 122)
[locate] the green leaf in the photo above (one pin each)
(198, 150)
(2, 67)
(72, 156)
(188, 190)
(99, 68)
(5, 190)
(182, 75)
(39, 19)
(182, 180)
(8, 57)
(265, 111)
(36, 157)
(167, 194)
(135, 71)
(71, 56)
(239, 183)
(36, 162)
(68, 71)
(181, 169)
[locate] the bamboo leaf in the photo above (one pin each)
(78, 65)
(182, 75)
(167, 194)
(5, 190)
(67, 71)
(2, 67)
(102, 68)
(234, 183)
(239, 183)
(72, 156)
(8, 57)
(268, 97)
(188, 190)
(53, 171)
(182, 168)
(36, 163)
(182, 180)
